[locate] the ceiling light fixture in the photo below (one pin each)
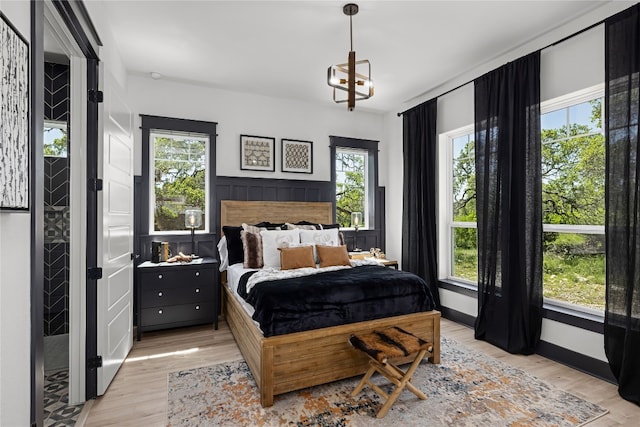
(351, 77)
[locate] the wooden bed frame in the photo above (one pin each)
(294, 361)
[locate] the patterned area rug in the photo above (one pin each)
(466, 389)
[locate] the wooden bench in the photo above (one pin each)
(381, 346)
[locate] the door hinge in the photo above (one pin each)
(94, 362)
(95, 184)
(96, 96)
(94, 273)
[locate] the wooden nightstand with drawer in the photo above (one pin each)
(174, 295)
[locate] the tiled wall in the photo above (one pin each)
(56, 210)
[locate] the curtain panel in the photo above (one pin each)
(509, 205)
(622, 101)
(419, 239)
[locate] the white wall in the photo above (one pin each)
(242, 113)
(575, 64)
(15, 288)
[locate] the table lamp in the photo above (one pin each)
(356, 222)
(192, 220)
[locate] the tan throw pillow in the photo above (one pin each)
(297, 257)
(333, 255)
(252, 247)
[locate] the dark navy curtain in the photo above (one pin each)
(622, 101)
(509, 205)
(419, 240)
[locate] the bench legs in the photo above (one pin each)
(397, 376)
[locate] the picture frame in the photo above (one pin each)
(297, 156)
(257, 153)
(14, 118)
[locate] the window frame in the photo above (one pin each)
(371, 168)
(445, 205)
(167, 125)
(153, 133)
(561, 102)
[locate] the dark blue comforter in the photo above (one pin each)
(335, 298)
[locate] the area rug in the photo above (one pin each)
(467, 389)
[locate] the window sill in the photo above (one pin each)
(593, 322)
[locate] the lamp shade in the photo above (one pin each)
(192, 218)
(356, 219)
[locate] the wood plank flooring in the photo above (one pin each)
(138, 394)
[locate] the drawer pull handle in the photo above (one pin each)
(197, 290)
(197, 307)
(197, 273)
(159, 276)
(160, 311)
(159, 294)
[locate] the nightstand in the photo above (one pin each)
(177, 294)
(389, 263)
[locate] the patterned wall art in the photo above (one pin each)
(257, 153)
(14, 118)
(297, 156)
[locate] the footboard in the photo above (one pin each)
(294, 361)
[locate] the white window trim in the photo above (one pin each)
(445, 202)
(153, 134)
(573, 98)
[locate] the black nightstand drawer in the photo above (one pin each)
(178, 315)
(189, 293)
(170, 279)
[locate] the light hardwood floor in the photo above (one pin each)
(138, 394)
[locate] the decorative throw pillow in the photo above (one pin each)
(224, 254)
(296, 257)
(290, 226)
(252, 246)
(333, 255)
(234, 244)
(274, 239)
(269, 225)
(319, 237)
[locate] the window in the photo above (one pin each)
(178, 173)
(179, 169)
(462, 260)
(351, 185)
(573, 162)
(55, 139)
(355, 177)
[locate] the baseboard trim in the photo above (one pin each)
(580, 362)
(586, 364)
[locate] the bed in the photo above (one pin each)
(293, 361)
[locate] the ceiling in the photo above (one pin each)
(283, 48)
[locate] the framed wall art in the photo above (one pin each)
(14, 118)
(297, 156)
(257, 153)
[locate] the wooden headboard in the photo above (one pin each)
(235, 212)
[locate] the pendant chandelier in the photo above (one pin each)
(353, 77)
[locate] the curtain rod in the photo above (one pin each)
(577, 33)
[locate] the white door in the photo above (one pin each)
(115, 233)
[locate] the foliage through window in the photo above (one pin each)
(180, 181)
(573, 162)
(464, 263)
(55, 139)
(351, 185)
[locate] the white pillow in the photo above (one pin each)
(224, 254)
(328, 237)
(274, 239)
